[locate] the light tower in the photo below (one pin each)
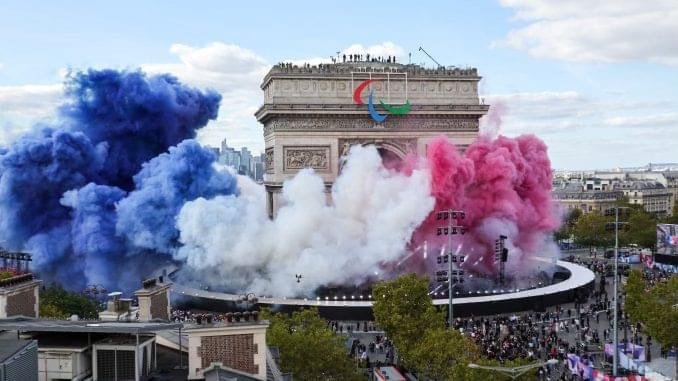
(453, 277)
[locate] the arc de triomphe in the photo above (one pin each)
(311, 118)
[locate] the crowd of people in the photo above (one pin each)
(178, 315)
(376, 352)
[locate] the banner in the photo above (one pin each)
(633, 351)
(582, 367)
(572, 361)
(667, 239)
(647, 260)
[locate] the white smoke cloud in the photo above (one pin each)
(373, 214)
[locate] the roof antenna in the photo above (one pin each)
(429, 56)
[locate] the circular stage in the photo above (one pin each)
(579, 283)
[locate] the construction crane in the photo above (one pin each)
(429, 56)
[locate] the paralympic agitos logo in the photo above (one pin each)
(376, 116)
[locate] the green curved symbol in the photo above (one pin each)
(397, 110)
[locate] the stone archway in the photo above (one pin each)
(393, 151)
(391, 158)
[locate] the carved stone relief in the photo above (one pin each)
(410, 122)
(300, 157)
(269, 160)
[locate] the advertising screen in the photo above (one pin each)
(667, 239)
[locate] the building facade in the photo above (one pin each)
(653, 196)
(311, 115)
(240, 347)
(587, 201)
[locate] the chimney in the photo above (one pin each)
(154, 299)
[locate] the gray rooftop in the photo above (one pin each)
(24, 324)
(10, 344)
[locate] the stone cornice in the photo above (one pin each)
(354, 123)
(268, 110)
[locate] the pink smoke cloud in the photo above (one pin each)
(504, 187)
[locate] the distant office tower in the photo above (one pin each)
(245, 161)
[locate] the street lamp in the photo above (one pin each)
(449, 229)
(609, 227)
(514, 372)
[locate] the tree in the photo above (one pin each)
(55, 302)
(565, 231)
(308, 348)
(589, 230)
(673, 218)
(5, 274)
(404, 310)
(657, 309)
(642, 229)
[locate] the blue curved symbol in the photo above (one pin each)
(373, 112)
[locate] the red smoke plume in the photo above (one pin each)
(503, 186)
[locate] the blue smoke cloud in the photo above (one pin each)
(137, 116)
(94, 197)
(162, 187)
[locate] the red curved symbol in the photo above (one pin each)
(358, 91)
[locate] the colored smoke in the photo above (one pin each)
(504, 188)
(378, 221)
(373, 214)
(77, 194)
(117, 187)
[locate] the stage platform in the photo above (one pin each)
(579, 283)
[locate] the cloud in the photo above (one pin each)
(667, 119)
(235, 72)
(538, 112)
(384, 49)
(30, 100)
(583, 131)
(595, 31)
(226, 68)
(22, 106)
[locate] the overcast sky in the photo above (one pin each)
(595, 79)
